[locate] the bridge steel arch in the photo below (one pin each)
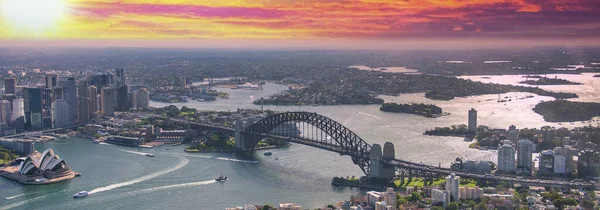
(343, 140)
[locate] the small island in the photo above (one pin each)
(549, 81)
(425, 110)
(597, 75)
(567, 111)
(454, 130)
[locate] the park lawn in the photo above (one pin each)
(418, 182)
(186, 114)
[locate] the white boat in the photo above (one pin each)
(80, 194)
(149, 154)
(221, 178)
(268, 153)
(41, 180)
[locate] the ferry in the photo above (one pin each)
(80, 194)
(267, 153)
(221, 178)
(96, 142)
(149, 154)
(41, 180)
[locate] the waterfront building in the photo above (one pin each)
(471, 193)
(382, 205)
(10, 86)
(122, 99)
(506, 158)
(452, 186)
(512, 134)
(32, 101)
(69, 95)
(60, 114)
(546, 165)
(438, 196)
(84, 113)
(5, 111)
(39, 168)
(524, 155)
(472, 166)
(373, 197)
(289, 206)
(389, 197)
(141, 99)
(472, 120)
(108, 101)
(93, 96)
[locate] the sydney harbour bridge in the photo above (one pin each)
(375, 161)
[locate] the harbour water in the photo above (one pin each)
(124, 178)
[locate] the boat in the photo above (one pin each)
(221, 178)
(77, 174)
(80, 194)
(267, 153)
(41, 180)
(383, 69)
(96, 142)
(149, 154)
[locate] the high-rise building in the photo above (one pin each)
(93, 95)
(60, 114)
(588, 164)
(17, 109)
(560, 161)
(440, 196)
(453, 187)
(546, 165)
(120, 78)
(570, 153)
(512, 134)
(108, 101)
(32, 101)
(84, 113)
(57, 93)
(10, 86)
(506, 157)
(122, 99)
(141, 99)
(5, 111)
(99, 102)
(472, 120)
(524, 155)
(101, 80)
(70, 95)
(51, 81)
(389, 197)
(47, 100)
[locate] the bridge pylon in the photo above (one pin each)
(378, 170)
(239, 137)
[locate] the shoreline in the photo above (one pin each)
(236, 150)
(65, 175)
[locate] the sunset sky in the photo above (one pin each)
(299, 22)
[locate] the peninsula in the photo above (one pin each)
(549, 81)
(567, 111)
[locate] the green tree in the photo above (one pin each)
(588, 204)
(453, 206)
(481, 206)
(437, 208)
(267, 207)
(414, 197)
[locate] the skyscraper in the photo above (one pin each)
(120, 78)
(47, 100)
(506, 158)
(70, 95)
(93, 95)
(32, 101)
(10, 86)
(108, 101)
(122, 98)
(472, 120)
(524, 151)
(84, 113)
(17, 109)
(453, 187)
(60, 114)
(51, 81)
(141, 99)
(5, 111)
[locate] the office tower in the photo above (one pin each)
(570, 152)
(17, 109)
(47, 100)
(546, 165)
(60, 114)
(108, 101)
(32, 101)
(57, 93)
(122, 98)
(51, 81)
(70, 95)
(101, 80)
(524, 152)
(472, 120)
(512, 134)
(560, 161)
(84, 113)
(453, 187)
(82, 90)
(506, 158)
(99, 104)
(141, 99)
(10, 86)
(93, 95)
(120, 78)
(5, 111)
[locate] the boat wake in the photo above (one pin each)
(183, 162)
(191, 184)
(221, 158)
(20, 203)
(134, 152)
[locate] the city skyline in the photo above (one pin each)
(366, 24)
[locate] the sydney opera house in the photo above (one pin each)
(39, 168)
